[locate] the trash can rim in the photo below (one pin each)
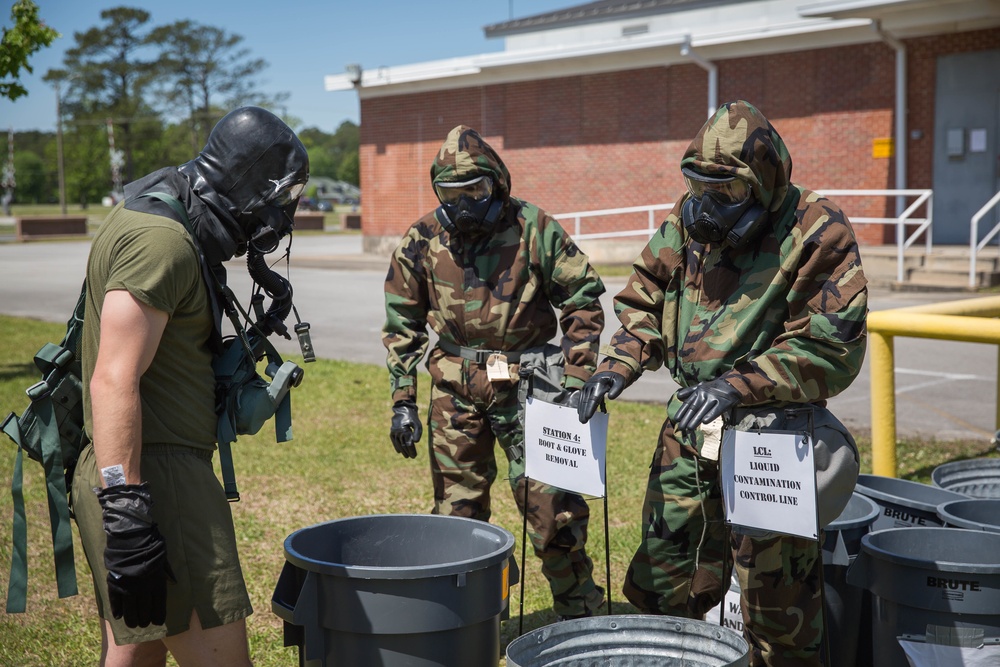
(858, 522)
(500, 554)
(869, 544)
(893, 498)
(624, 622)
(944, 511)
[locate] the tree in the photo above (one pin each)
(330, 155)
(109, 76)
(28, 35)
(207, 72)
(32, 180)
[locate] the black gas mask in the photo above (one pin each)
(721, 209)
(252, 171)
(470, 206)
(274, 217)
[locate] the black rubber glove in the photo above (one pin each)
(704, 402)
(406, 428)
(604, 383)
(136, 556)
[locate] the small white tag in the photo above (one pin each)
(496, 368)
(840, 554)
(712, 439)
(113, 475)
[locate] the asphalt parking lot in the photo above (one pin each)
(944, 390)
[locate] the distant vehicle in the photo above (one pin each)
(323, 205)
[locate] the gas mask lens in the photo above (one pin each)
(478, 189)
(287, 195)
(727, 193)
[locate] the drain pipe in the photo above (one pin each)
(713, 74)
(900, 131)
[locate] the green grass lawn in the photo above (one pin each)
(340, 464)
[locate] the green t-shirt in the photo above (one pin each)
(155, 259)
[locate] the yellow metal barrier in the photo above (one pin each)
(967, 320)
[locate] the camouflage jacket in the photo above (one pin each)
(782, 320)
(498, 292)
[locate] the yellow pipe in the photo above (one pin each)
(967, 320)
(986, 306)
(883, 384)
(943, 327)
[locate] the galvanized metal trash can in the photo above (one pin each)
(629, 641)
(976, 478)
(395, 590)
(927, 582)
(973, 514)
(904, 503)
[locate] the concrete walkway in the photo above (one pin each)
(945, 390)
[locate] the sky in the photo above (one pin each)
(302, 41)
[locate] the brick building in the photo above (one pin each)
(591, 107)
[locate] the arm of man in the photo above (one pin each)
(130, 336)
(574, 288)
(646, 307)
(405, 331)
(823, 344)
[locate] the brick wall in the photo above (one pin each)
(612, 140)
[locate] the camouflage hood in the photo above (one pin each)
(739, 141)
(464, 155)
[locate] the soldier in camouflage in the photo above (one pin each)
(493, 276)
(752, 294)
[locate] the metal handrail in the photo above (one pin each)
(650, 225)
(975, 247)
(902, 240)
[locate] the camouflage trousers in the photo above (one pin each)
(468, 415)
(683, 566)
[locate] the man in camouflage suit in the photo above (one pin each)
(489, 272)
(752, 294)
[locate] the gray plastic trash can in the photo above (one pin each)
(629, 641)
(926, 581)
(850, 643)
(904, 503)
(972, 513)
(976, 478)
(391, 590)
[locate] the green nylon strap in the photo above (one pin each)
(55, 482)
(17, 589)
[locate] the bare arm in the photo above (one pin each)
(130, 336)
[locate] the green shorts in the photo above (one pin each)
(194, 518)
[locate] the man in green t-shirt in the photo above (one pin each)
(154, 520)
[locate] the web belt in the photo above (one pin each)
(477, 355)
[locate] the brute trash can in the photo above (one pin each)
(629, 641)
(976, 478)
(904, 503)
(929, 582)
(972, 513)
(395, 589)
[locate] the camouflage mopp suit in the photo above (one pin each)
(505, 291)
(781, 320)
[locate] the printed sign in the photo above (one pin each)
(562, 452)
(769, 482)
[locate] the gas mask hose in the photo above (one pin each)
(277, 288)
